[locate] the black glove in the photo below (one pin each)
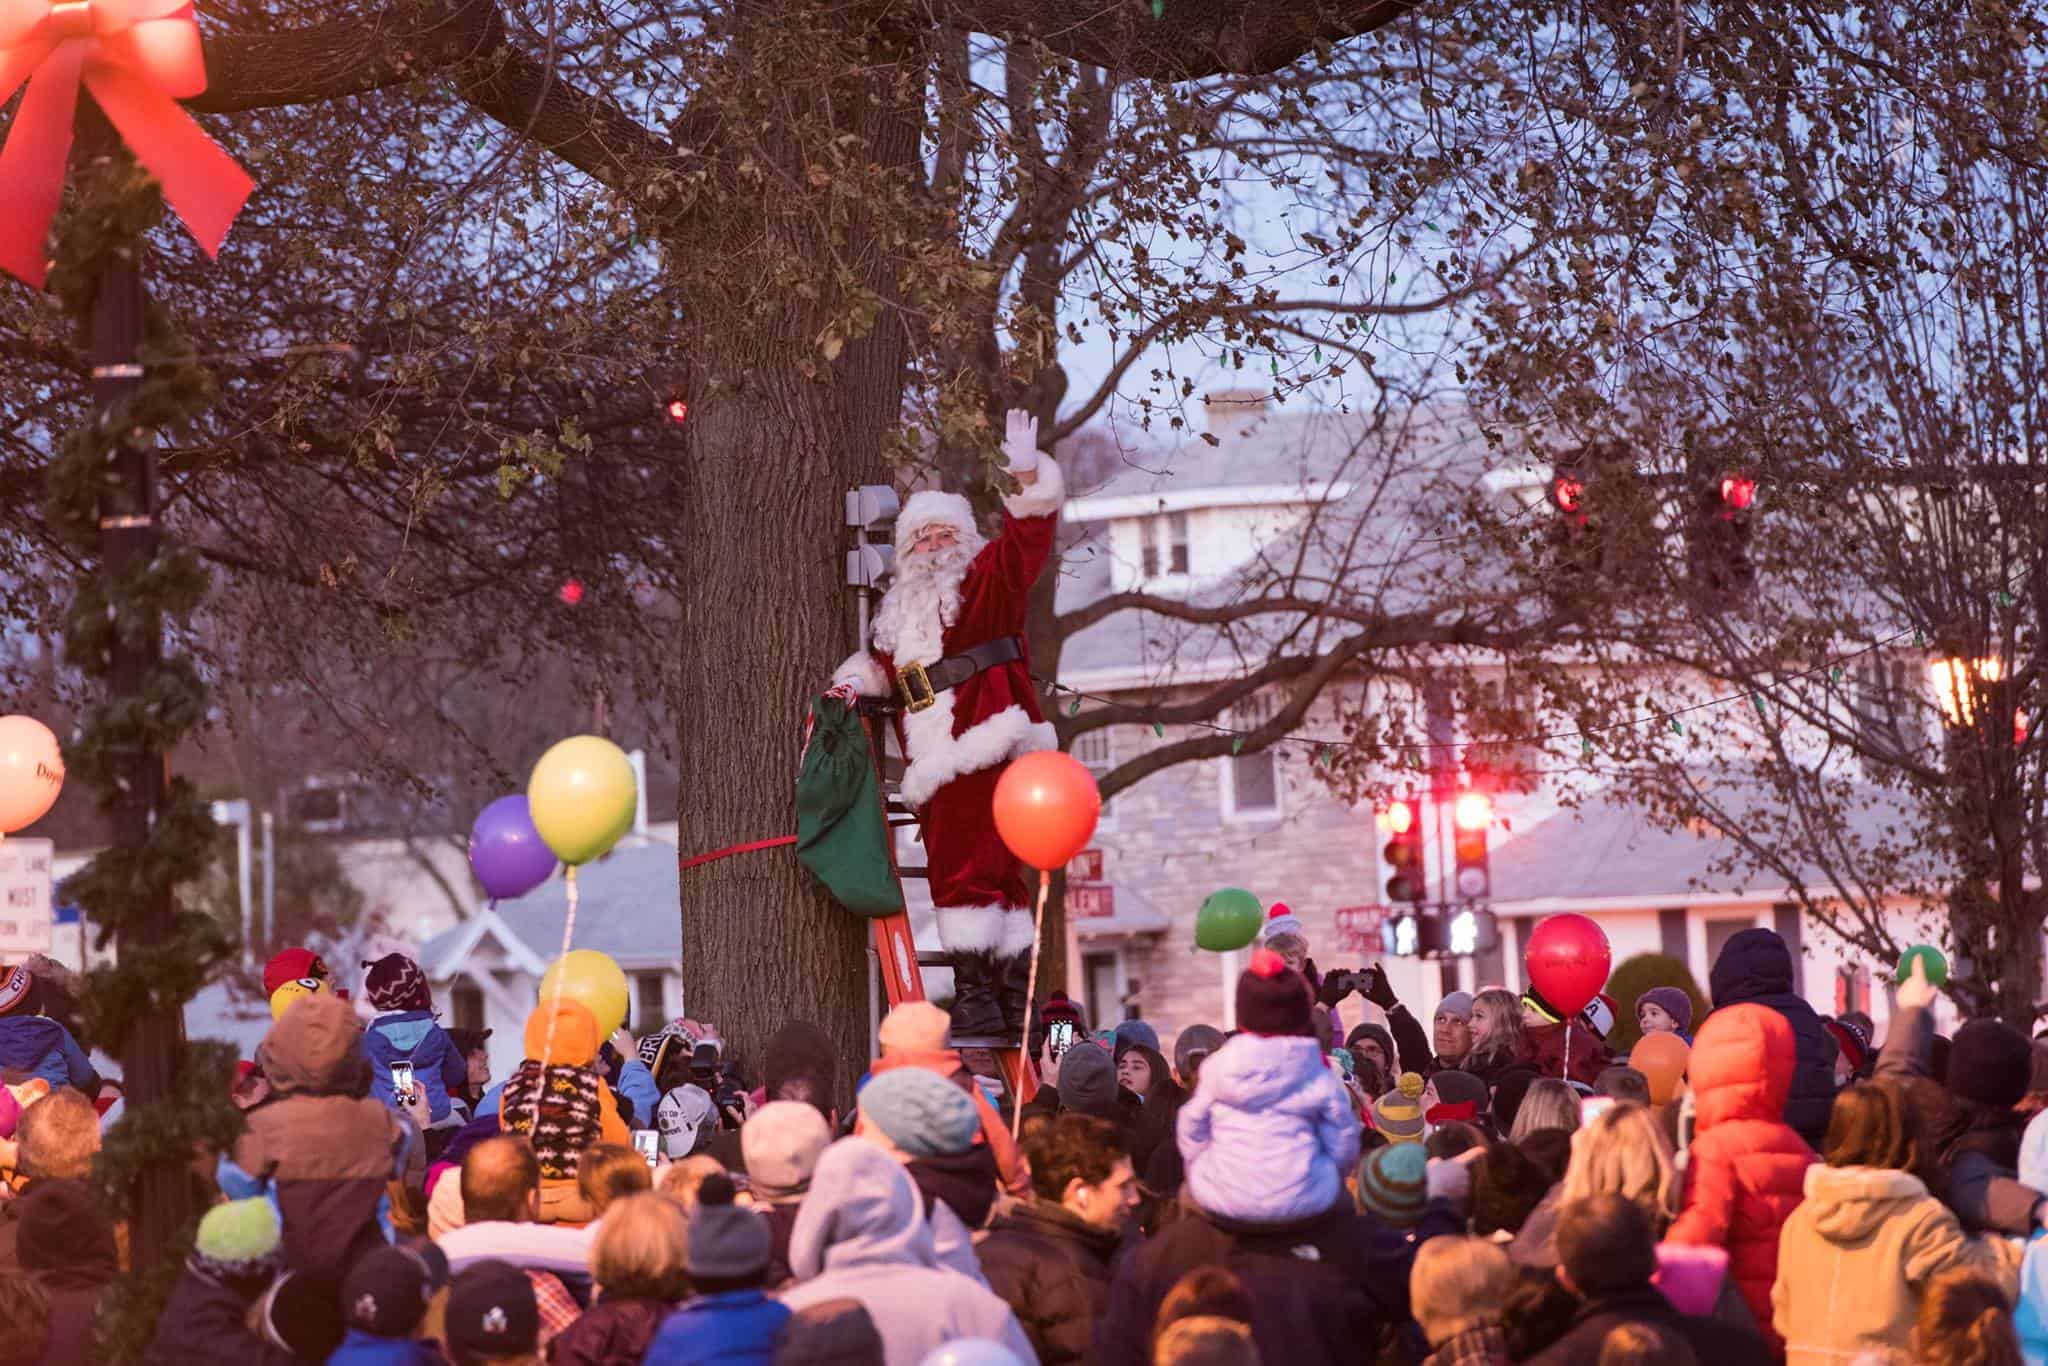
(1332, 989)
(1378, 989)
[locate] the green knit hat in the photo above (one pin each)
(239, 1239)
(1393, 1182)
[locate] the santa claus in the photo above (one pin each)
(948, 650)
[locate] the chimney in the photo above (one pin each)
(1223, 406)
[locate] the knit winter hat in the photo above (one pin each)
(781, 1143)
(1991, 1063)
(1058, 1009)
(1195, 1043)
(385, 1293)
(576, 1038)
(1460, 1088)
(1393, 1183)
(395, 982)
(682, 1115)
(1398, 1115)
(492, 1311)
(1088, 1080)
(1458, 1003)
(915, 1027)
(290, 966)
(1672, 1001)
(727, 1241)
(301, 1312)
(1533, 999)
(1129, 1032)
(1274, 999)
(239, 1240)
(1850, 1039)
(921, 1112)
(15, 989)
(1377, 1033)
(1281, 920)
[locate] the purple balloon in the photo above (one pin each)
(506, 853)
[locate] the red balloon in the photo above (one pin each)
(1568, 959)
(1046, 806)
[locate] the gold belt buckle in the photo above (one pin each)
(914, 686)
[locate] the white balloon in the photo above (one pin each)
(971, 1352)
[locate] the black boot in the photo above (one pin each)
(1013, 991)
(977, 1014)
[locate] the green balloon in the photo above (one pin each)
(1229, 919)
(1937, 966)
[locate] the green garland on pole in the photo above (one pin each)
(113, 207)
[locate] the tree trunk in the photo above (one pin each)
(767, 613)
(129, 535)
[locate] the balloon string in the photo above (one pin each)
(1567, 1048)
(547, 1047)
(1030, 1000)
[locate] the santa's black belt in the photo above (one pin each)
(918, 685)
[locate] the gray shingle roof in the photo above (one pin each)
(626, 907)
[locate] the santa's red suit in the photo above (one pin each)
(945, 603)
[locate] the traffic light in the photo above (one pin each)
(1404, 853)
(1471, 814)
(1720, 534)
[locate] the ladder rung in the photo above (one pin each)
(928, 959)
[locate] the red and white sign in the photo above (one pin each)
(1359, 927)
(1086, 866)
(1091, 900)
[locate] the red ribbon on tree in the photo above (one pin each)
(137, 58)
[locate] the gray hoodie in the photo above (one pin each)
(862, 1235)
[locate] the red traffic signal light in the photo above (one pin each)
(571, 592)
(1403, 853)
(1568, 494)
(1472, 811)
(1738, 491)
(1471, 814)
(677, 410)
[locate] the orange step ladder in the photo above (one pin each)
(899, 966)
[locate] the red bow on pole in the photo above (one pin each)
(138, 58)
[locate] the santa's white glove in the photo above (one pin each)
(1020, 441)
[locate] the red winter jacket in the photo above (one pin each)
(1543, 1048)
(1747, 1168)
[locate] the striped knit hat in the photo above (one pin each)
(1393, 1183)
(1398, 1115)
(395, 982)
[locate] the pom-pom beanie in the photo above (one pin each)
(1273, 998)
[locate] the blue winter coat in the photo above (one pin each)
(1268, 1135)
(361, 1349)
(737, 1328)
(34, 1044)
(412, 1036)
(1756, 967)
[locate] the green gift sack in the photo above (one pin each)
(842, 834)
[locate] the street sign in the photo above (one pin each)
(1091, 901)
(1086, 866)
(1359, 928)
(25, 896)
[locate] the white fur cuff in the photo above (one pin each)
(1043, 498)
(1004, 930)
(864, 673)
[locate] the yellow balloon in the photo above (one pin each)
(593, 981)
(582, 797)
(281, 1000)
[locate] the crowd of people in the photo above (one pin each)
(1497, 1187)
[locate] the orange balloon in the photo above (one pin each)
(1046, 806)
(1663, 1059)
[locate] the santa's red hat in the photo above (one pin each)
(928, 508)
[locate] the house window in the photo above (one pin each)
(1163, 545)
(1251, 781)
(1096, 751)
(1148, 537)
(466, 1005)
(1719, 932)
(650, 1006)
(1177, 542)
(1102, 987)
(1878, 702)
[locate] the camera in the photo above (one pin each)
(728, 1093)
(1345, 981)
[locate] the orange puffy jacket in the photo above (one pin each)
(1747, 1168)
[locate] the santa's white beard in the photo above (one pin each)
(921, 603)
